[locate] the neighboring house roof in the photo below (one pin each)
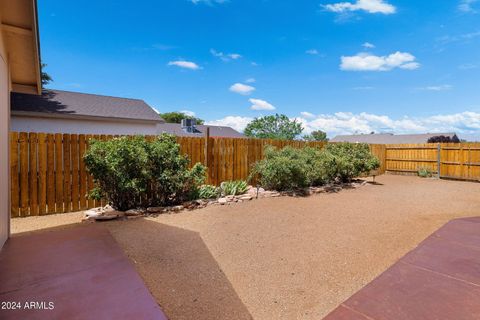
(66, 104)
(389, 138)
(215, 131)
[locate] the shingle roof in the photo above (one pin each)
(388, 138)
(70, 104)
(215, 131)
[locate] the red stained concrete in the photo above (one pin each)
(440, 279)
(81, 270)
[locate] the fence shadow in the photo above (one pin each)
(179, 271)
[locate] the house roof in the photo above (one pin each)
(389, 138)
(215, 131)
(66, 104)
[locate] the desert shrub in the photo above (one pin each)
(290, 168)
(425, 173)
(281, 169)
(132, 172)
(232, 188)
(208, 191)
(345, 161)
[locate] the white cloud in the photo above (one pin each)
(464, 123)
(241, 88)
(467, 6)
(236, 122)
(184, 64)
(368, 45)
(307, 115)
(370, 6)
(312, 51)
(250, 80)
(368, 62)
(350, 123)
(442, 87)
(258, 104)
(188, 113)
(225, 56)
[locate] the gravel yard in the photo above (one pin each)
(280, 258)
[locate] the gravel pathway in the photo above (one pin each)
(281, 258)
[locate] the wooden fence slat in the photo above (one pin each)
(24, 188)
(42, 173)
(82, 172)
(51, 184)
(90, 184)
(75, 172)
(58, 173)
(33, 173)
(15, 186)
(67, 178)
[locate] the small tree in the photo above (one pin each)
(277, 126)
(444, 139)
(177, 117)
(46, 78)
(317, 135)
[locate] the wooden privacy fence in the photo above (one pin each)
(446, 160)
(49, 176)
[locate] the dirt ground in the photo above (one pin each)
(281, 258)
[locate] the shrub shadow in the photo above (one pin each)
(179, 271)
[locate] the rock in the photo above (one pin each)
(108, 208)
(245, 197)
(253, 191)
(274, 194)
(177, 208)
(92, 213)
(134, 212)
(154, 209)
(230, 198)
(317, 189)
(222, 200)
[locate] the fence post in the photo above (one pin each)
(439, 160)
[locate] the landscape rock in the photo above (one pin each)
(222, 200)
(93, 213)
(177, 208)
(245, 197)
(134, 212)
(154, 209)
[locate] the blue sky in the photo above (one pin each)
(342, 66)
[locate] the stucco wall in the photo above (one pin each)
(4, 146)
(49, 125)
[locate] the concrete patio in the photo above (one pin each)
(73, 273)
(440, 279)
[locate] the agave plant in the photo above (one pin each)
(232, 188)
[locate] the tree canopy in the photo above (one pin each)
(46, 78)
(177, 117)
(277, 126)
(317, 135)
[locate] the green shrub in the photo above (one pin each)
(290, 168)
(207, 191)
(425, 173)
(232, 188)
(346, 161)
(132, 172)
(282, 169)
